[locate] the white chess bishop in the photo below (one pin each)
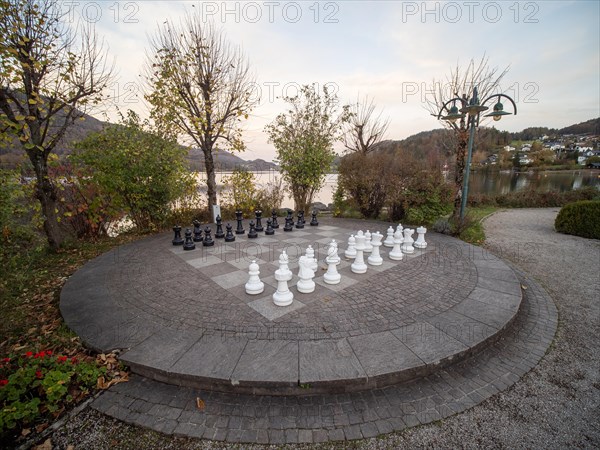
(305, 285)
(374, 258)
(407, 245)
(420, 242)
(396, 252)
(283, 296)
(368, 245)
(351, 250)
(332, 276)
(254, 286)
(359, 266)
(389, 240)
(310, 254)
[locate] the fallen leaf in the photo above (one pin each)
(523, 287)
(70, 447)
(200, 404)
(25, 431)
(47, 445)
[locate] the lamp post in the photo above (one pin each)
(472, 109)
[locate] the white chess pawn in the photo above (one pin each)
(305, 285)
(396, 252)
(359, 266)
(254, 286)
(332, 276)
(420, 242)
(310, 254)
(351, 250)
(283, 296)
(368, 245)
(375, 259)
(389, 240)
(407, 245)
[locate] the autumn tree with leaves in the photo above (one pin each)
(50, 73)
(200, 89)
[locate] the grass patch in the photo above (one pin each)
(473, 231)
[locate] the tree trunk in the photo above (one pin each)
(46, 194)
(211, 182)
(459, 175)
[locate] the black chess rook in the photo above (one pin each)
(258, 226)
(177, 240)
(240, 226)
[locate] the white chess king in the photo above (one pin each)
(283, 296)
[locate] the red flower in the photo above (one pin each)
(61, 358)
(49, 352)
(3, 382)
(73, 360)
(29, 354)
(6, 360)
(40, 354)
(38, 374)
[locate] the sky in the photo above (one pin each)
(390, 51)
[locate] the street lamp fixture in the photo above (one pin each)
(471, 108)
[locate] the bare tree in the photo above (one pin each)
(365, 129)
(460, 84)
(199, 88)
(50, 73)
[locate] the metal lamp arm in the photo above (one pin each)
(445, 106)
(499, 96)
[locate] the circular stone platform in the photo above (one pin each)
(183, 317)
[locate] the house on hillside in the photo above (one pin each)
(508, 148)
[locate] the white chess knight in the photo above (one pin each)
(283, 296)
(368, 245)
(389, 240)
(305, 285)
(420, 242)
(407, 245)
(375, 259)
(254, 286)
(351, 250)
(359, 266)
(332, 276)
(310, 254)
(396, 252)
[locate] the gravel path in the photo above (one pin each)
(556, 405)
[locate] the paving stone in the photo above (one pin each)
(328, 361)
(263, 360)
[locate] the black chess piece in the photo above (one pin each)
(197, 231)
(314, 222)
(177, 240)
(208, 240)
(274, 223)
(269, 231)
(300, 222)
(258, 226)
(189, 242)
(252, 234)
(219, 233)
(289, 222)
(229, 237)
(240, 227)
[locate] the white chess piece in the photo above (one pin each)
(359, 266)
(396, 252)
(254, 286)
(351, 250)
(332, 276)
(375, 258)
(305, 285)
(283, 296)
(389, 240)
(310, 254)
(368, 245)
(407, 245)
(399, 227)
(420, 242)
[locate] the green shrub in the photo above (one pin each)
(534, 199)
(580, 219)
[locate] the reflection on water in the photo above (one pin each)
(481, 182)
(503, 182)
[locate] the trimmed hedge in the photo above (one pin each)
(534, 199)
(580, 219)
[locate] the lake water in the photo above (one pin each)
(481, 182)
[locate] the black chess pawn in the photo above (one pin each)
(208, 240)
(289, 223)
(240, 227)
(177, 240)
(197, 231)
(252, 234)
(269, 231)
(300, 222)
(219, 233)
(258, 226)
(189, 242)
(314, 222)
(274, 223)
(229, 237)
